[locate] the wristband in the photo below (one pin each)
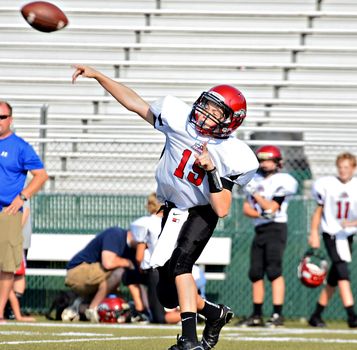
(214, 181)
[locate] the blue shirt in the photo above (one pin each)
(17, 157)
(112, 239)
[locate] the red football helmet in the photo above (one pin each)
(312, 269)
(268, 152)
(230, 101)
(113, 309)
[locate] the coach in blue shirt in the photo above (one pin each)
(17, 157)
(97, 269)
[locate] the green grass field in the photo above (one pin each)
(83, 335)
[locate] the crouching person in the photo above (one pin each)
(97, 269)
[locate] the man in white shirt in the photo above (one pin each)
(201, 162)
(336, 214)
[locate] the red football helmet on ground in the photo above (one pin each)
(113, 309)
(269, 152)
(229, 101)
(312, 269)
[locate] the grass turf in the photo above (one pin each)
(83, 335)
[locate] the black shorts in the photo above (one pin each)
(132, 276)
(193, 237)
(339, 268)
(267, 251)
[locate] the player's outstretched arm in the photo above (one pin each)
(123, 94)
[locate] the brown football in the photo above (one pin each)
(44, 16)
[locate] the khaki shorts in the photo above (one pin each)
(85, 278)
(10, 241)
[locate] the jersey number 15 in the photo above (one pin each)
(196, 175)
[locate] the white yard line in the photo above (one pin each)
(291, 339)
(80, 340)
(91, 325)
(61, 334)
(260, 330)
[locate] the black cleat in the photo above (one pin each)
(352, 322)
(316, 321)
(213, 328)
(139, 317)
(275, 320)
(251, 321)
(185, 344)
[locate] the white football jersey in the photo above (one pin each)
(276, 185)
(339, 201)
(179, 179)
(146, 230)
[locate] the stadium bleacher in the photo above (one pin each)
(294, 60)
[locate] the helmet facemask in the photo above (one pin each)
(218, 125)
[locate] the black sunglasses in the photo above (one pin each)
(3, 117)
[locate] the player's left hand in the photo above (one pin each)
(268, 214)
(204, 160)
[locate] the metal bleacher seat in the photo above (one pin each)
(275, 5)
(254, 89)
(339, 5)
(180, 69)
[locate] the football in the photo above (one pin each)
(44, 16)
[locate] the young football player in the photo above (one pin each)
(336, 215)
(268, 195)
(201, 162)
(146, 231)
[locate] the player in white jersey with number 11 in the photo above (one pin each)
(201, 162)
(336, 214)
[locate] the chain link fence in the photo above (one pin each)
(91, 213)
(122, 166)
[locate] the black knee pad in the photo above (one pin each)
(180, 262)
(255, 275)
(167, 295)
(274, 271)
(166, 288)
